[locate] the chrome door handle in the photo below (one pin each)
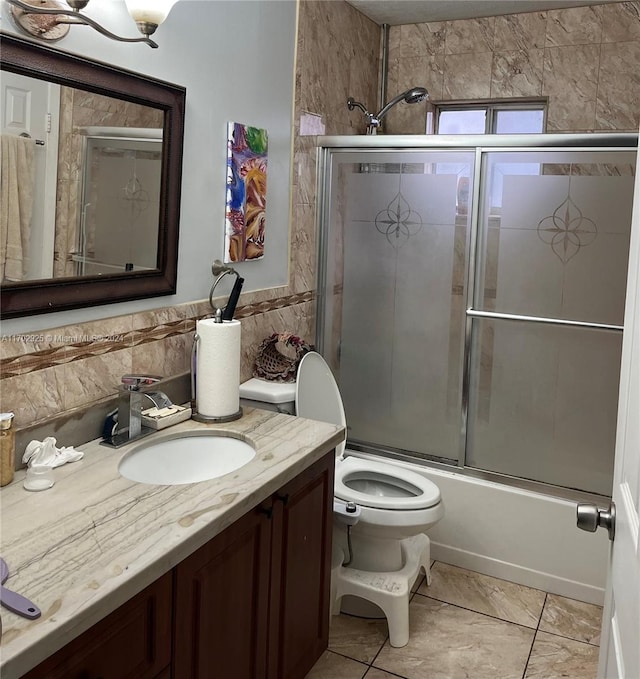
(590, 518)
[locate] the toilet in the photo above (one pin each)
(381, 510)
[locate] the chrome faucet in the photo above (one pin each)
(130, 399)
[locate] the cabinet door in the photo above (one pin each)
(133, 642)
(301, 571)
(222, 604)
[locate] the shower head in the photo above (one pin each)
(412, 96)
(415, 95)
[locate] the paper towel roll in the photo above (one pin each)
(218, 368)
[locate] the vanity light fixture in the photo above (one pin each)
(50, 19)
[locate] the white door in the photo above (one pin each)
(620, 646)
(32, 107)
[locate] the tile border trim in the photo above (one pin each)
(77, 351)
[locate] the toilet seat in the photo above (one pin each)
(364, 482)
(317, 394)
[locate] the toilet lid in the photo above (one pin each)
(317, 394)
(384, 486)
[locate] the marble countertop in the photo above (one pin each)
(82, 548)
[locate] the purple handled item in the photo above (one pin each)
(12, 600)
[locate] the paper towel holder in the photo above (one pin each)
(195, 415)
(219, 271)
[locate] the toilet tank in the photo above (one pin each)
(268, 395)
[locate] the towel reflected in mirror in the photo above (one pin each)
(17, 185)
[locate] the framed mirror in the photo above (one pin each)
(103, 181)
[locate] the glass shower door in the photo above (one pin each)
(394, 329)
(550, 289)
(118, 226)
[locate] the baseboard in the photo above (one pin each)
(518, 574)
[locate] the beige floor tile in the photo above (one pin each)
(333, 666)
(554, 657)
(570, 618)
(484, 594)
(447, 642)
(420, 580)
(373, 673)
(418, 583)
(357, 638)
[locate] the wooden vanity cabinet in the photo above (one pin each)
(133, 642)
(253, 603)
(221, 604)
(301, 572)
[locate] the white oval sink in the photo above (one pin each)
(188, 457)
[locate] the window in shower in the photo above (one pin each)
(515, 117)
(395, 292)
(551, 278)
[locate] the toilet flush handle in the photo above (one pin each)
(346, 512)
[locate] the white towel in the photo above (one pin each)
(45, 454)
(17, 184)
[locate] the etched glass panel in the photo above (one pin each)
(401, 229)
(555, 234)
(543, 403)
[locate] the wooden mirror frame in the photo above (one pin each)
(48, 295)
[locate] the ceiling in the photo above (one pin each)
(395, 12)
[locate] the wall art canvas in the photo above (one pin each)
(246, 193)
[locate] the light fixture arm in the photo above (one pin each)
(75, 18)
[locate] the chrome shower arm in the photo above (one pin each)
(411, 96)
(372, 121)
(383, 112)
(352, 103)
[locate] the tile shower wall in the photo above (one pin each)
(584, 59)
(337, 57)
(43, 375)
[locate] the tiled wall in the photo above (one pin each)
(46, 374)
(584, 59)
(338, 52)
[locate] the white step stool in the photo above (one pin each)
(390, 591)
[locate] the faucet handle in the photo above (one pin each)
(134, 382)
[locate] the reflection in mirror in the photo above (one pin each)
(92, 155)
(117, 225)
(106, 181)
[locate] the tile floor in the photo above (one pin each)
(470, 626)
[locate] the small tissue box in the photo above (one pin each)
(160, 418)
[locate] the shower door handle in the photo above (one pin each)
(590, 518)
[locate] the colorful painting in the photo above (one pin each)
(246, 193)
